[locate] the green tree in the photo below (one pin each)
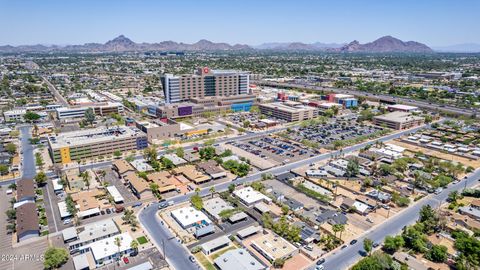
(180, 152)
(4, 169)
(118, 243)
(437, 253)
(134, 245)
(212, 190)
(71, 207)
(40, 178)
(393, 243)
(117, 154)
(150, 154)
(31, 116)
(376, 261)
(90, 116)
(352, 167)
(197, 202)
(86, 179)
(368, 245)
(167, 163)
(231, 188)
(11, 148)
(55, 257)
(207, 153)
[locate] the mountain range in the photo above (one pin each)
(121, 43)
(464, 47)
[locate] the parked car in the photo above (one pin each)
(67, 221)
(137, 204)
(192, 259)
(108, 211)
(353, 242)
(321, 261)
(126, 260)
(162, 205)
(375, 245)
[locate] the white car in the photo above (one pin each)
(67, 221)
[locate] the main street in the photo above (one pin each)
(374, 96)
(160, 234)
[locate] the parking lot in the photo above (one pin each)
(275, 149)
(327, 134)
(151, 255)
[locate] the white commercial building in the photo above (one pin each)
(105, 250)
(117, 197)
(249, 196)
(189, 216)
(14, 115)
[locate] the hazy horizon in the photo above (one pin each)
(436, 24)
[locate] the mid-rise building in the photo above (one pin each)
(101, 108)
(77, 145)
(289, 111)
(398, 120)
(198, 106)
(204, 82)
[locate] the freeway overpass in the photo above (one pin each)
(376, 97)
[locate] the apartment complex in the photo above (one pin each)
(398, 120)
(83, 144)
(204, 82)
(289, 111)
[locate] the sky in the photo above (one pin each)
(62, 22)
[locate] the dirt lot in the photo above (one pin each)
(445, 156)
(291, 193)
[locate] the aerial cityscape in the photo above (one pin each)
(138, 135)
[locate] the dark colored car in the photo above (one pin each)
(321, 261)
(192, 259)
(375, 245)
(353, 242)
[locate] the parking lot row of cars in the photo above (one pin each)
(326, 134)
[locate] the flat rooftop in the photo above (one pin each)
(398, 117)
(272, 246)
(89, 136)
(286, 108)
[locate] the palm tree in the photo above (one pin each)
(134, 246)
(197, 190)
(335, 229)
(86, 179)
(342, 229)
(212, 190)
(118, 243)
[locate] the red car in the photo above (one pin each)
(126, 260)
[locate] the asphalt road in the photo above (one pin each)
(28, 163)
(343, 259)
(150, 221)
(389, 98)
(248, 135)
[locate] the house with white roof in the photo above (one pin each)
(249, 196)
(106, 250)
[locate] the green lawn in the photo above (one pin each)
(204, 261)
(142, 240)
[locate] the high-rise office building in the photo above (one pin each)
(204, 82)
